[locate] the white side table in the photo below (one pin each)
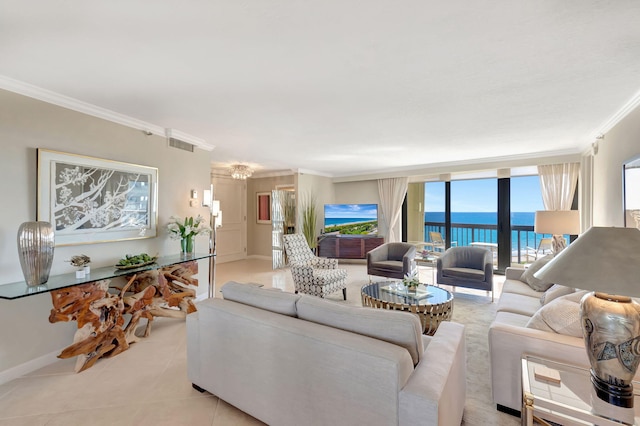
(563, 394)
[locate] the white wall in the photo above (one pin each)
(620, 144)
(27, 124)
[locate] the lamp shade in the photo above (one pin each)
(602, 259)
(557, 222)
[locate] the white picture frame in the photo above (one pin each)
(91, 200)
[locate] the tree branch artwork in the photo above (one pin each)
(88, 200)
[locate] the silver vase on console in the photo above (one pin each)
(35, 249)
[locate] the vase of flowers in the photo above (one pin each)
(411, 280)
(185, 230)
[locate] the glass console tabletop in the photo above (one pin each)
(563, 394)
(20, 288)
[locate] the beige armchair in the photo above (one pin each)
(313, 275)
(391, 260)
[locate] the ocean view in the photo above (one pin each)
(465, 235)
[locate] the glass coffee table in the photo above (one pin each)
(432, 304)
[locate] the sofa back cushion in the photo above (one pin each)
(561, 316)
(554, 292)
(272, 299)
(400, 328)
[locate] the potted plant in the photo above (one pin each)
(411, 280)
(309, 219)
(185, 230)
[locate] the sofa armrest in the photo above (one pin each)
(507, 344)
(513, 273)
(435, 392)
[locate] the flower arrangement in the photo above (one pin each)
(411, 279)
(187, 228)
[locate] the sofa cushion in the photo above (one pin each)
(561, 316)
(519, 304)
(471, 274)
(519, 287)
(272, 299)
(554, 292)
(400, 328)
(535, 283)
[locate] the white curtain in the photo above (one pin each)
(558, 184)
(392, 192)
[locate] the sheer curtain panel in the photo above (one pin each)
(392, 192)
(558, 184)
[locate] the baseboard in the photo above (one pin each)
(508, 410)
(27, 367)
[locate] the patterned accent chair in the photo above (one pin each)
(313, 275)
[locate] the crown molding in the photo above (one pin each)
(427, 172)
(58, 99)
(626, 109)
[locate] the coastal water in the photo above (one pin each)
(331, 221)
(465, 235)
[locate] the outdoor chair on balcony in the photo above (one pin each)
(470, 267)
(545, 246)
(438, 243)
(313, 275)
(392, 260)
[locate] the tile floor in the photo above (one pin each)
(146, 385)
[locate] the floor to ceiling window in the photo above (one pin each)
(526, 199)
(497, 214)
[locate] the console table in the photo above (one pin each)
(99, 301)
(347, 246)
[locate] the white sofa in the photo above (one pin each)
(509, 336)
(296, 359)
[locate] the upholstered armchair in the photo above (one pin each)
(313, 275)
(470, 267)
(392, 260)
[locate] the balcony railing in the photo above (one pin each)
(524, 241)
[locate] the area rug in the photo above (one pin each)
(476, 312)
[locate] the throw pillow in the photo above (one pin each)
(560, 316)
(554, 292)
(535, 283)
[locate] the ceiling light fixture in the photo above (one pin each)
(240, 171)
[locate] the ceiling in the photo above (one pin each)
(344, 87)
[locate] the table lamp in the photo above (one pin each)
(607, 262)
(557, 223)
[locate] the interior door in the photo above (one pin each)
(232, 235)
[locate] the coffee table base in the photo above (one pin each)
(430, 315)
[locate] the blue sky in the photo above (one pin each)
(481, 195)
(357, 211)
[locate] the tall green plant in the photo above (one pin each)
(309, 218)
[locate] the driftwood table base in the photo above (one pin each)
(163, 292)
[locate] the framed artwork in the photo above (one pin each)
(90, 200)
(263, 207)
(631, 182)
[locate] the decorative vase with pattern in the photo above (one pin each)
(35, 250)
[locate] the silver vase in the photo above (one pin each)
(35, 249)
